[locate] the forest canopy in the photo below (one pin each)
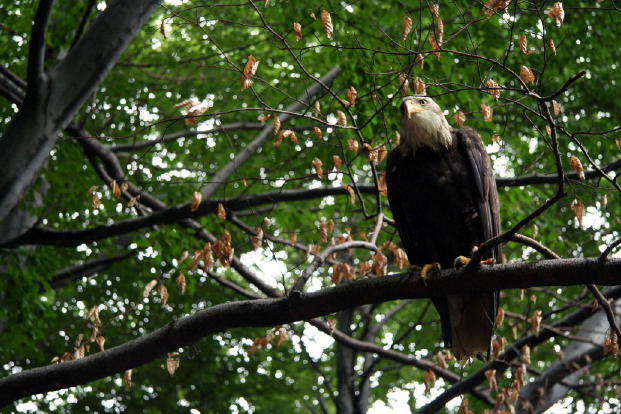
(193, 211)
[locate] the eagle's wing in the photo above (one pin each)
(398, 202)
(485, 183)
(487, 203)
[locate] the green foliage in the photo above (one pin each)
(202, 55)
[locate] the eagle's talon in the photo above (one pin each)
(461, 261)
(426, 269)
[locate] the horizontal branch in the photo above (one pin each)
(234, 126)
(45, 236)
(278, 311)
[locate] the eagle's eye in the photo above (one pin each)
(422, 101)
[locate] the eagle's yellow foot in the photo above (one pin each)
(463, 260)
(435, 266)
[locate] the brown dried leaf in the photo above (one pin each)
(326, 21)
(323, 230)
(352, 194)
(379, 263)
(520, 376)
(548, 130)
(352, 94)
(172, 363)
(163, 28)
(337, 274)
(500, 317)
(441, 360)
(132, 201)
(196, 200)
(552, 47)
(419, 86)
(556, 107)
(181, 282)
(257, 239)
(163, 292)
(525, 357)
(317, 108)
(127, 378)
(331, 325)
(297, 29)
(524, 45)
(221, 211)
(429, 378)
(353, 145)
(282, 337)
(435, 10)
(116, 190)
(490, 374)
(95, 202)
(460, 119)
(435, 43)
(488, 113)
(100, 341)
(404, 85)
(79, 352)
(341, 118)
(148, 288)
(183, 258)
(576, 165)
(535, 322)
(317, 132)
(492, 5)
(406, 26)
(382, 187)
(527, 75)
(250, 69)
(578, 208)
(317, 167)
(492, 88)
(496, 139)
(419, 61)
(611, 344)
(223, 250)
(557, 13)
(603, 201)
(337, 162)
(276, 124)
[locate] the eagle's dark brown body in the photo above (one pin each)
(444, 202)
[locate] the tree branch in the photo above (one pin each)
(225, 172)
(34, 130)
(36, 49)
(501, 364)
(278, 311)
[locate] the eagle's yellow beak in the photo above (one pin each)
(411, 107)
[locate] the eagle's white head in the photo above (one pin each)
(423, 125)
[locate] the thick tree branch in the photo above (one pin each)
(36, 48)
(278, 311)
(34, 130)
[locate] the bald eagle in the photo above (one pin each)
(443, 197)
